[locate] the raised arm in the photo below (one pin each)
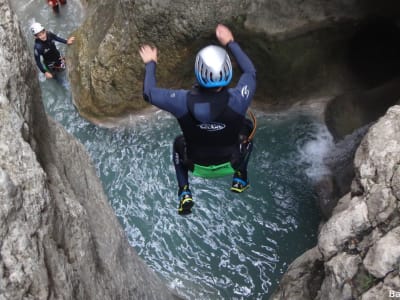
(149, 57)
(246, 85)
(68, 41)
(225, 37)
(173, 101)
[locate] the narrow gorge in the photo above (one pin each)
(60, 237)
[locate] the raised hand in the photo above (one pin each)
(148, 53)
(224, 35)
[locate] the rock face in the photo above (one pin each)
(358, 247)
(299, 47)
(59, 238)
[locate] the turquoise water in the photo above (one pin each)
(233, 246)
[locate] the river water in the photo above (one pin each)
(233, 246)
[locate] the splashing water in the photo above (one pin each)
(316, 148)
(233, 246)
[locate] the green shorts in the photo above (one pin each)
(213, 171)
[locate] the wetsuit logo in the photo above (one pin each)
(245, 92)
(212, 126)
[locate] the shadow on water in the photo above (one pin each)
(233, 246)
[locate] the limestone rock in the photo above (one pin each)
(342, 227)
(59, 237)
(338, 274)
(384, 256)
(360, 242)
(378, 154)
(387, 289)
(303, 278)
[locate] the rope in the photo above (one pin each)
(253, 132)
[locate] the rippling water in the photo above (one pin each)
(233, 246)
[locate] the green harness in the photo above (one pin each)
(213, 171)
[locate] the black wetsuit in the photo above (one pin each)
(211, 121)
(48, 50)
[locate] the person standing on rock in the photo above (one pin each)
(44, 47)
(217, 136)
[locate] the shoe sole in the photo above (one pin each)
(238, 190)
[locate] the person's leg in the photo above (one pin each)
(62, 79)
(182, 176)
(240, 181)
(58, 69)
(178, 158)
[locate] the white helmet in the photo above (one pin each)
(213, 67)
(36, 28)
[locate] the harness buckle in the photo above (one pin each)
(58, 66)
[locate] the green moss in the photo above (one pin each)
(363, 281)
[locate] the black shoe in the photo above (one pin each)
(185, 201)
(239, 184)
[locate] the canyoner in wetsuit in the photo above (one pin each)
(44, 47)
(212, 117)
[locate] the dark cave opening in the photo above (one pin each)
(374, 52)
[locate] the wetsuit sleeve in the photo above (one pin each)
(37, 53)
(56, 37)
(173, 101)
(244, 91)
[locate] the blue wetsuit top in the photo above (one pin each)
(48, 50)
(196, 112)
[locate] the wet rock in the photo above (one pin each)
(303, 278)
(360, 242)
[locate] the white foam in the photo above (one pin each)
(314, 151)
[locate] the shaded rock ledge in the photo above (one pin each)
(59, 237)
(358, 251)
